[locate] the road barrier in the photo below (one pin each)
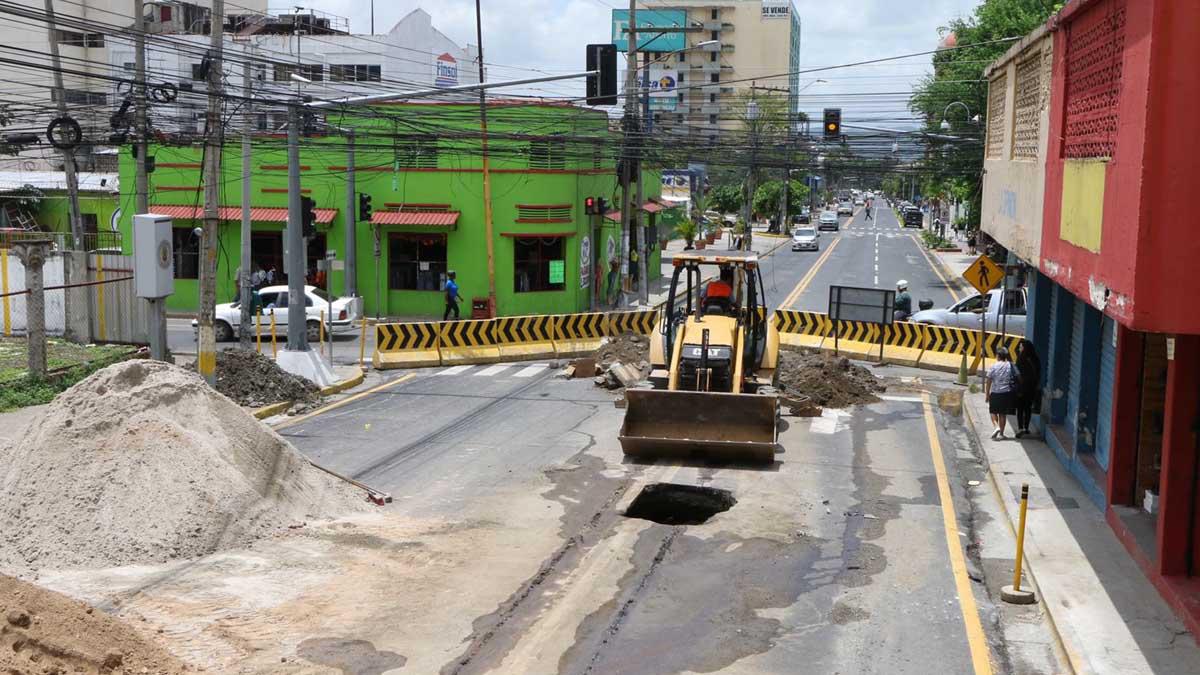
(580, 333)
(640, 321)
(526, 337)
(468, 341)
(406, 345)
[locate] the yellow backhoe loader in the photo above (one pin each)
(711, 392)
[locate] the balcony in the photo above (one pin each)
(713, 89)
(710, 67)
(711, 46)
(710, 109)
(718, 25)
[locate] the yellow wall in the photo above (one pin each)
(1083, 203)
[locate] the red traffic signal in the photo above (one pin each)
(589, 206)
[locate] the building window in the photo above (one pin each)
(164, 13)
(715, 77)
(1027, 108)
(714, 36)
(313, 72)
(538, 264)
(995, 117)
(73, 39)
(187, 253)
(716, 14)
(198, 72)
(682, 57)
(548, 154)
(712, 98)
(680, 78)
(89, 222)
(355, 73)
(417, 154)
(416, 261)
(544, 213)
(712, 119)
(712, 56)
(129, 66)
(80, 97)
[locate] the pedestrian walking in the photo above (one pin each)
(1000, 390)
(1029, 385)
(452, 296)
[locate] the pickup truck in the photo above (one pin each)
(970, 313)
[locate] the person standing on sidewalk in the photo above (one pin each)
(452, 296)
(1000, 390)
(1029, 393)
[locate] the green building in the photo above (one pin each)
(421, 165)
(37, 201)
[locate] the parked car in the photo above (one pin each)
(845, 208)
(806, 239)
(828, 221)
(970, 313)
(913, 218)
(341, 313)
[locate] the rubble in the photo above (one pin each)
(622, 361)
(142, 462)
(827, 380)
(254, 380)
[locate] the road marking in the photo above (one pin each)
(903, 399)
(348, 399)
(530, 371)
(935, 267)
(492, 370)
(453, 370)
(976, 639)
(812, 272)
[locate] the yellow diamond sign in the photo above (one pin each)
(984, 274)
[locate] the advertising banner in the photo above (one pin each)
(776, 9)
(650, 41)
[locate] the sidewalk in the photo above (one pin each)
(1108, 615)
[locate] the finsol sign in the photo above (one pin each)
(447, 71)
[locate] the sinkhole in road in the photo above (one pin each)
(673, 504)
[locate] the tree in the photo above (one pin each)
(767, 196)
(726, 198)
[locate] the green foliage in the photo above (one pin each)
(766, 197)
(29, 391)
(932, 240)
(726, 198)
(687, 230)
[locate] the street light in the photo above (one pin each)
(945, 125)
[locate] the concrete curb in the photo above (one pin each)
(996, 482)
(337, 387)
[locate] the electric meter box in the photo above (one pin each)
(153, 256)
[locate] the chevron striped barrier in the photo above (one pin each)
(525, 337)
(469, 341)
(641, 322)
(803, 323)
(406, 345)
(576, 334)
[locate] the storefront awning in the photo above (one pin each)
(257, 214)
(431, 218)
(652, 207)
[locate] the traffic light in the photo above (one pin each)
(833, 123)
(601, 206)
(364, 208)
(589, 206)
(602, 87)
(308, 217)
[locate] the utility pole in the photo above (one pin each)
(748, 206)
(297, 337)
(643, 229)
(630, 125)
(487, 176)
(68, 154)
(784, 228)
(141, 151)
(244, 268)
(350, 274)
(214, 140)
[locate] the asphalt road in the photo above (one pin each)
(181, 340)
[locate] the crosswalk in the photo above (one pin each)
(522, 370)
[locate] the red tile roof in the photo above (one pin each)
(257, 214)
(435, 218)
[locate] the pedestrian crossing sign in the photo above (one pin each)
(984, 274)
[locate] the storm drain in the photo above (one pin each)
(672, 504)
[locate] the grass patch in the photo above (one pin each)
(68, 362)
(934, 240)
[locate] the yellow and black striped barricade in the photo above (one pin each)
(468, 341)
(856, 339)
(905, 342)
(406, 345)
(945, 346)
(525, 337)
(640, 322)
(579, 334)
(802, 329)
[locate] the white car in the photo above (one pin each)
(845, 208)
(340, 313)
(828, 221)
(981, 311)
(805, 239)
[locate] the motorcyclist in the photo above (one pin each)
(903, 302)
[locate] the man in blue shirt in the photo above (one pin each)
(452, 296)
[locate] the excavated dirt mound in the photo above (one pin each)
(254, 380)
(143, 462)
(831, 382)
(44, 632)
(628, 348)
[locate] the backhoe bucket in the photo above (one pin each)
(673, 424)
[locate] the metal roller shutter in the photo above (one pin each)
(1108, 370)
(1076, 365)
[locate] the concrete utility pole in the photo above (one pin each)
(297, 338)
(32, 255)
(784, 227)
(214, 141)
(643, 229)
(748, 206)
(246, 292)
(350, 274)
(158, 315)
(68, 154)
(630, 123)
(487, 176)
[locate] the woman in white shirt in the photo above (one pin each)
(1000, 391)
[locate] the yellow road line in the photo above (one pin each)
(349, 399)
(936, 267)
(807, 279)
(976, 639)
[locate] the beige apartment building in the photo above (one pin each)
(743, 43)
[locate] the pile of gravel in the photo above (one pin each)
(254, 380)
(143, 462)
(629, 348)
(829, 381)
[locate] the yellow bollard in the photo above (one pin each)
(1013, 594)
(7, 323)
(321, 334)
(273, 348)
(362, 344)
(103, 327)
(258, 331)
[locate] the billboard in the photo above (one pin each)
(662, 84)
(649, 18)
(447, 71)
(776, 9)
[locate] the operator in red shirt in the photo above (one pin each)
(720, 291)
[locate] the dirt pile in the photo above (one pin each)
(829, 381)
(254, 380)
(143, 462)
(44, 632)
(622, 361)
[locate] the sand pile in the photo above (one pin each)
(44, 632)
(143, 462)
(830, 381)
(254, 380)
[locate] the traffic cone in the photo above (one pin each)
(962, 371)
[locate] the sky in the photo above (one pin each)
(524, 38)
